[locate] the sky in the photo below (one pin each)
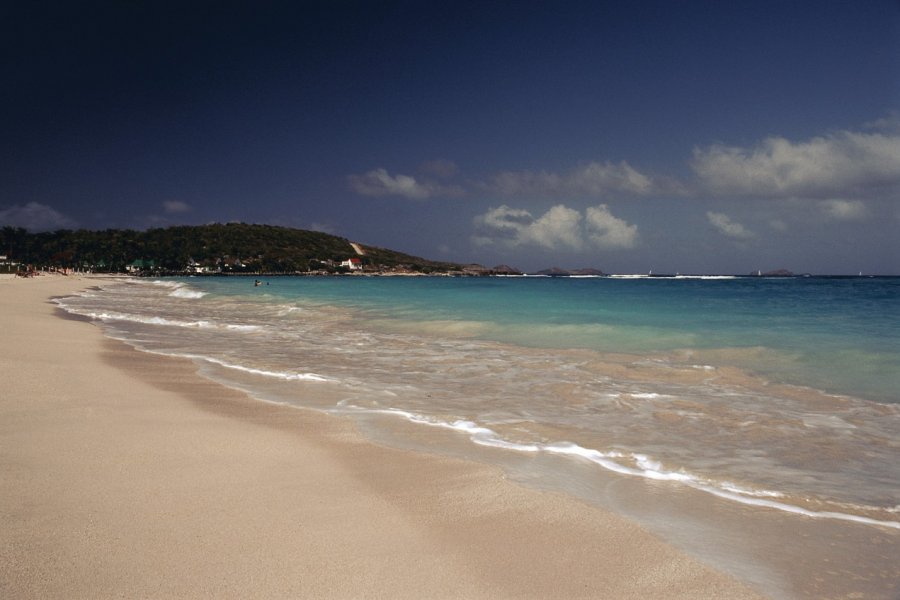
(628, 136)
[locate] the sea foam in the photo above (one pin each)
(617, 462)
(183, 292)
(286, 376)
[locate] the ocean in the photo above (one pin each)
(781, 393)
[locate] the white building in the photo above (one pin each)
(354, 264)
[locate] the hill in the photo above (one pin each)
(216, 248)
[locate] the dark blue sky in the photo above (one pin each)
(674, 136)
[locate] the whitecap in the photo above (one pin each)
(183, 292)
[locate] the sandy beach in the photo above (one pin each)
(128, 475)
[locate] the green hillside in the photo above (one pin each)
(229, 248)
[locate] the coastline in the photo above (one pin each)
(129, 474)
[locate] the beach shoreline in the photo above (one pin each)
(131, 475)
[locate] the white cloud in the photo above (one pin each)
(727, 227)
(35, 217)
(594, 179)
(607, 231)
(378, 182)
(559, 227)
(844, 165)
(844, 210)
(172, 207)
(598, 179)
(839, 165)
(506, 219)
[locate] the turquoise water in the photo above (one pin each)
(777, 393)
(841, 335)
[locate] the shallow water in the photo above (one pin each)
(776, 393)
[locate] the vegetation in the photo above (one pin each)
(229, 248)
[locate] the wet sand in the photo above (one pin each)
(126, 474)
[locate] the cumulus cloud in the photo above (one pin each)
(841, 165)
(594, 179)
(505, 219)
(35, 217)
(727, 227)
(558, 228)
(172, 207)
(607, 231)
(844, 210)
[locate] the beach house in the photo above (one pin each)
(354, 264)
